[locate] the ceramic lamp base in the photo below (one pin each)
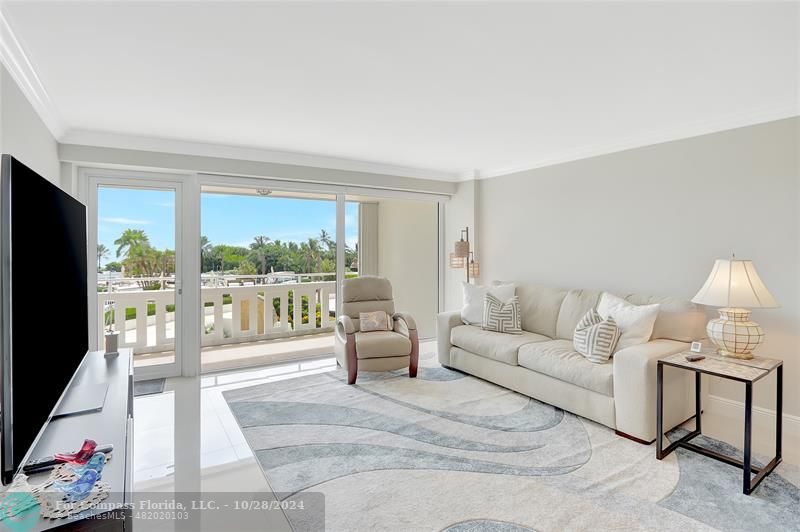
(734, 334)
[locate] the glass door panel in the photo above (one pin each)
(268, 276)
(137, 277)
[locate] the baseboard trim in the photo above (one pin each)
(724, 420)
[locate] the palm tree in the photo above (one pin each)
(311, 255)
(167, 262)
(130, 239)
(260, 241)
(143, 260)
(259, 247)
(102, 253)
(205, 247)
(325, 238)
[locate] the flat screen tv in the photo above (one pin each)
(44, 313)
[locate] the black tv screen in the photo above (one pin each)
(44, 303)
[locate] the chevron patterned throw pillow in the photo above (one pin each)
(596, 338)
(500, 316)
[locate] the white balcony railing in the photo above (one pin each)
(234, 313)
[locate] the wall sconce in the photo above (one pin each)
(473, 268)
(456, 261)
(463, 257)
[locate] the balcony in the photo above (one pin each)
(247, 319)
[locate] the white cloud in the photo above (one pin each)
(125, 221)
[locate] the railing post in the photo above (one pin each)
(219, 319)
(252, 321)
(141, 324)
(161, 322)
(236, 314)
(285, 311)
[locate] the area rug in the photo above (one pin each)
(446, 451)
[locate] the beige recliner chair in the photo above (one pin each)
(376, 350)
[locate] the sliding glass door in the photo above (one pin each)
(202, 273)
(268, 276)
(135, 227)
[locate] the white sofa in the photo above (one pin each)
(543, 364)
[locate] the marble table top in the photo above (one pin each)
(722, 366)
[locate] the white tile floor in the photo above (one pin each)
(187, 440)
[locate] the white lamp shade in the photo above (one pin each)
(734, 283)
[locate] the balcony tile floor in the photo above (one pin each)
(250, 354)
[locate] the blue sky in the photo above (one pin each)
(226, 219)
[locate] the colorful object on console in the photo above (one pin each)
(80, 457)
(95, 463)
(79, 489)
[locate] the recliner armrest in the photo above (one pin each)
(445, 322)
(635, 389)
(403, 323)
(344, 326)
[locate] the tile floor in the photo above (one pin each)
(187, 440)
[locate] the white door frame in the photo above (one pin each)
(89, 182)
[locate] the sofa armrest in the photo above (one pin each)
(344, 326)
(445, 322)
(635, 389)
(403, 323)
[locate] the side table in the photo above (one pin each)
(745, 371)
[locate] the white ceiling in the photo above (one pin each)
(443, 87)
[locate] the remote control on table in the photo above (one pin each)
(49, 462)
(694, 358)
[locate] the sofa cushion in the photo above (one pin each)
(380, 344)
(596, 338)
(678, 319)
(558, 359)
(539, 306)
(575, 306)
(501, 316)
(475, 295)
(635, 321)
(497, 346)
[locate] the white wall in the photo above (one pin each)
(653, 220)
(22, 132)
(407, 256)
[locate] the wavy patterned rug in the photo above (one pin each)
(451, 452)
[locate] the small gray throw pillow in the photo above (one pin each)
(596, 338)
(500, 316)
(373, 321)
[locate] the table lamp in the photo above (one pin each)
(735, 286)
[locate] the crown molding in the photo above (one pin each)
(106, 139)
(13, 56)
(685, 131)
